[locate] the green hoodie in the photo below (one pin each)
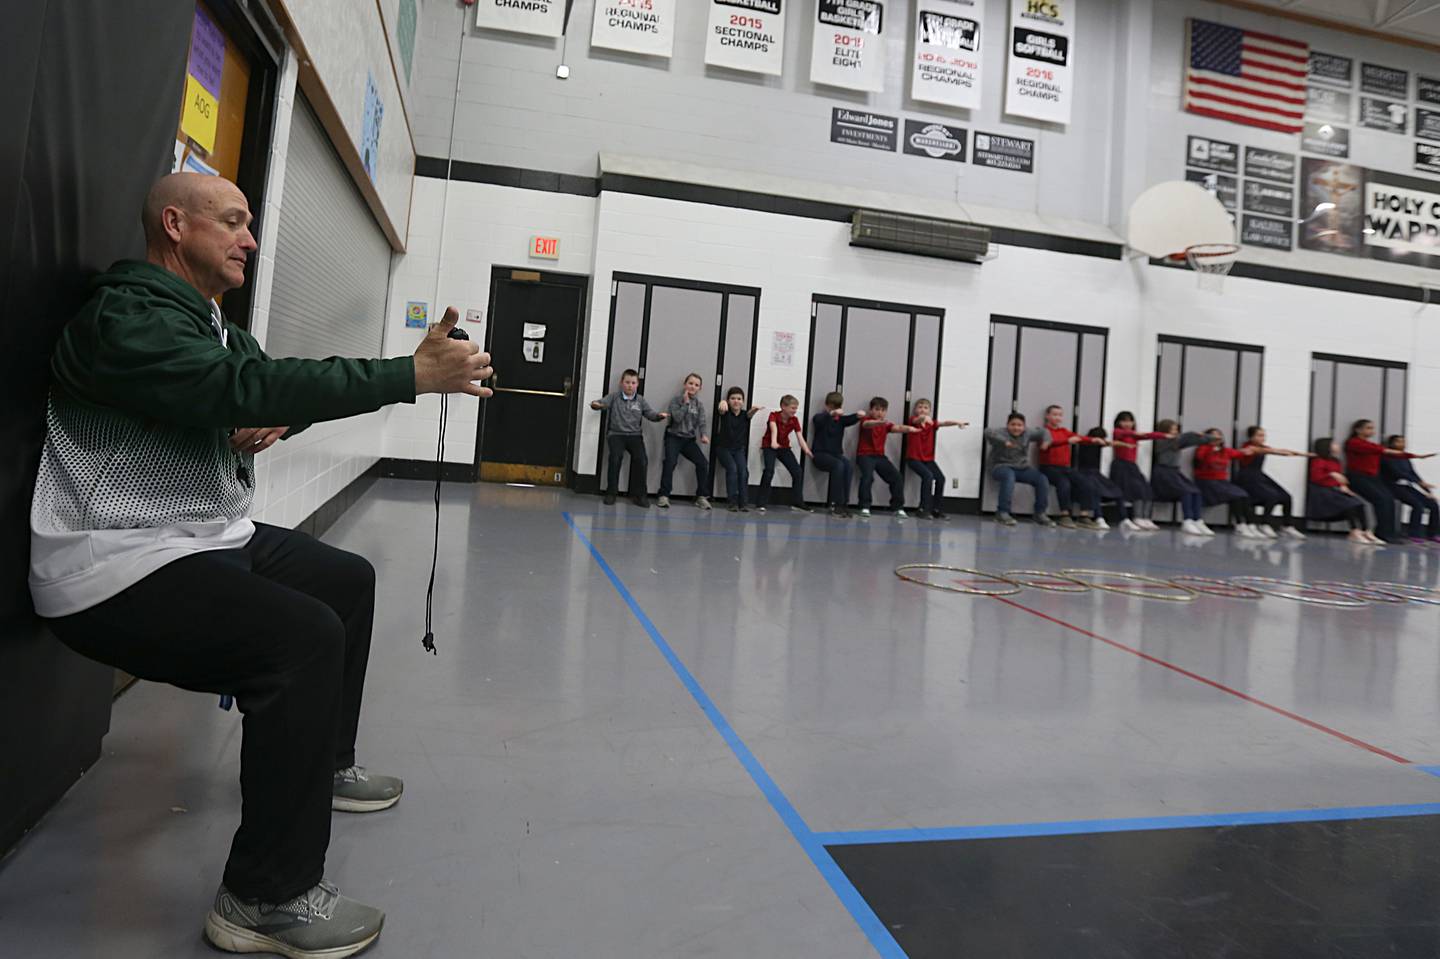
(137, 468)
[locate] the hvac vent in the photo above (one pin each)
(919, 235)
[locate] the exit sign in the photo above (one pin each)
(545, 247)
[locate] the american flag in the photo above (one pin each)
(1246, 77)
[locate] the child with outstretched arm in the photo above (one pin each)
(628, 410)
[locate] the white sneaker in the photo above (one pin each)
(865, 511)
(1371, 538)
(1292, 533)
(1100, 523)
(1130, 526)
(1204, 530)
(1268, 532)
(1192, 527)
(1149, 524)
(1246, 531)
(901, 514)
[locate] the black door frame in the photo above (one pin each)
(650, 281)
(1022, 323)
(847, 303)
(578, 281)
(1240, 349)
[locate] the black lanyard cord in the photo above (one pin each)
(429, 641)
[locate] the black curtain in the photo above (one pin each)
(89, 98)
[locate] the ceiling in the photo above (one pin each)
(1412, 19)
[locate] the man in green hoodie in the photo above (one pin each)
(143, 556)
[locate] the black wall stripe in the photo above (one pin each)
(435, 167)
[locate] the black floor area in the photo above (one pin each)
(1355, 888)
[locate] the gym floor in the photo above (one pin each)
(673, 733)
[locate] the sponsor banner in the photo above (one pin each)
(1326, 140)
(940, 141)
(1402, 218)
(1330, 206)
(1427, 124)
(1203, 153)
(1224, 188)
(1427, 89)
(858, 128)
(746, 35)
(1383, 115)
(1384, 81)
(849, 46)
(1427, 158)
(1269, 165)
(1004, 153)
(1272, 199)
(1326, 105)
(947, 53)
(635, 26)
(541, 18)
(1265, 231)
(1331, 69)
(1039, 78)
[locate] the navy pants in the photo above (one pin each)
(736, 464)
(869, 466)
(797, 478)
(840, 471)
(1071, 489)
(1419, 505)
(932, 484)
(1379, 496)
(686, 446)
(633, 443)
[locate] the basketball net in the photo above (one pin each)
(1212, 262)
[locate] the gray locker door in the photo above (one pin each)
(1393, 415)
(1345, 389)
(1322, 399)
(924, 385)
(1034, 364)
(627, 330)
(876, 363)
(1358, 392)
(824, 377)
(682, 337)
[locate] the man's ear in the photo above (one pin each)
(172, 220)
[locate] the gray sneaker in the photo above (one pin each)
(663, 502)
(319, 924)
(702, 503)
(1043, 519)
(1066, 521)
(1004, 519)
(356, 790)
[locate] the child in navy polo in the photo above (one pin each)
(827, 436)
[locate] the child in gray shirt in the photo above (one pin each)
(628, 412)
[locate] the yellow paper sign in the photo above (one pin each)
(201, 115)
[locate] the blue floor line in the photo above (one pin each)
(859, 910)
(1090, 826)
(1432, 770)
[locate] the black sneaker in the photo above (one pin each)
(937, 514)
(802, 508)
(318, 924)
(642, 501)
(609, 499)
(733, 507)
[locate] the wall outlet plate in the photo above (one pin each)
(473, 316)
(562, 72)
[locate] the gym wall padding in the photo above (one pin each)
(89, 93)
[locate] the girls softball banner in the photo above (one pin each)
(1038, 82)
(849, 47)
(746, 35)
(541, 18)
(947, 52)
(635, 26)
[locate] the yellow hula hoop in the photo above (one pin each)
(1266, 585)
(1004, 587)
(1187, 595)
(1217, 587)
(1035, 579)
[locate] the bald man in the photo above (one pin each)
(143, 556)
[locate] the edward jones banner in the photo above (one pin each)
(1038, 80)
(635, 26)
(541, 18)
(849, 46)
(747, 35)
(947, 52)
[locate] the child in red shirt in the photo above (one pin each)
(920, 457)
(1362, 469)
(1125, 472)
(1330, 496)
(1054, 461)
(775, 445)
(1212, 476)
(870, 456)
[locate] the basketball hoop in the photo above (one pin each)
(1212, 262)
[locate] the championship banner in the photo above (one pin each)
(849, 46)
(746, 35)
(635, 26)
(541, 18)
(1038, 80)
(947, 53)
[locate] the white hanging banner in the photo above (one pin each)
(746, 35)
(1039, 80)
(947, 52)
(635, 26)
(849, 47)
(541, 18)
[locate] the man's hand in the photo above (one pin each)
(705, 440)
(443, 365)
(256, 439)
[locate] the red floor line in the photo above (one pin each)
(1320, 727)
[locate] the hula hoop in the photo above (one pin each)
(1004, 587)
(1217, 587)
(1187, 595)
(1414, 594)
(1267, 586)
(1366, 593)
(1043, 579)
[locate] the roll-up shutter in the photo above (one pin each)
(332, 263)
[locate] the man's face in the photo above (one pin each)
(214, 236)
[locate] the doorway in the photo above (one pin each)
(865, 348)
(1344, 389)
(1036, 363)
(527, 428)
(666, 328)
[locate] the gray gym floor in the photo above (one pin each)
(644, 728)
